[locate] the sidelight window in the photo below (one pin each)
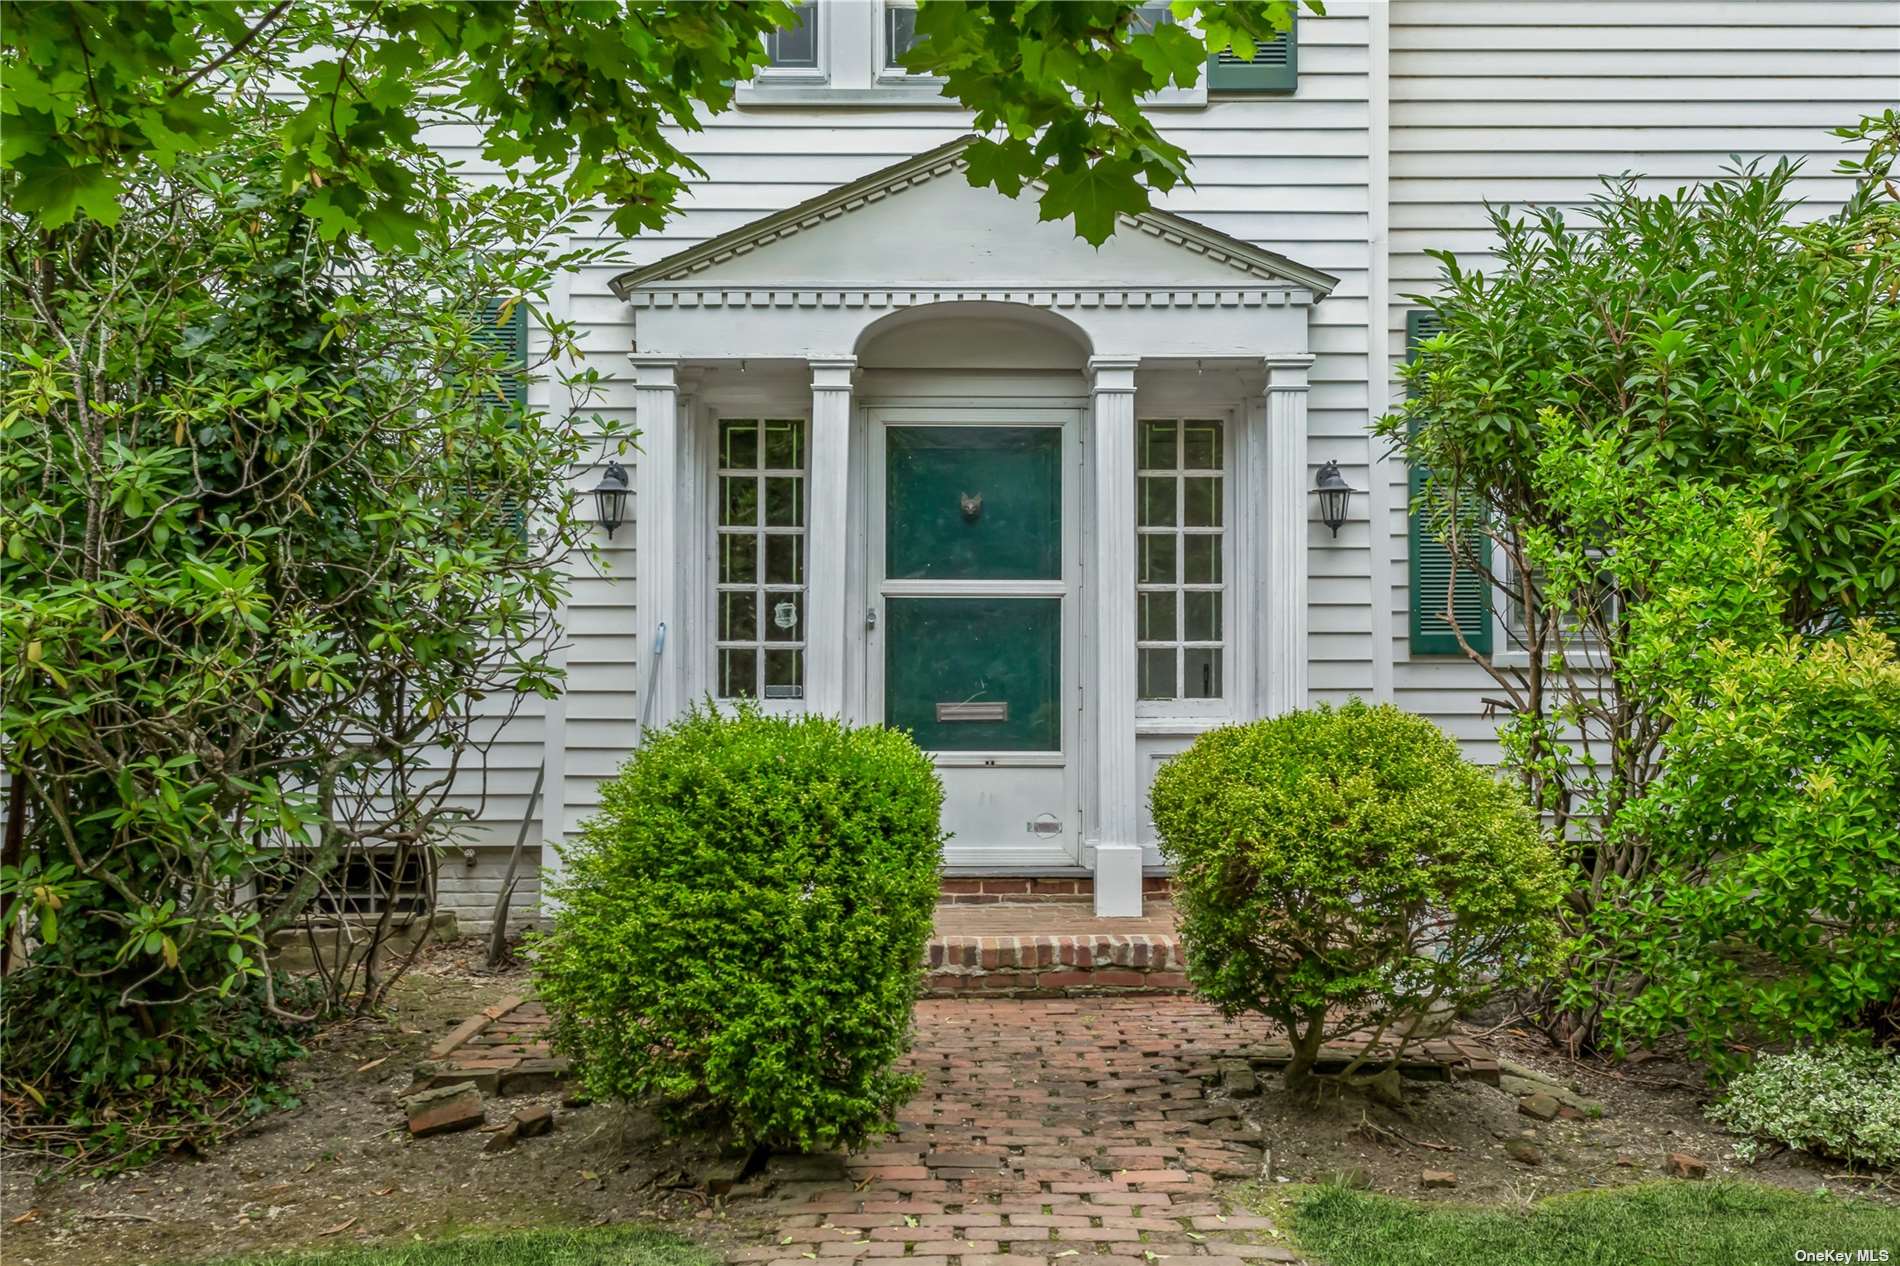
(1180, 559)
(760, 559)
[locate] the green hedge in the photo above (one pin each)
(739, 937)
(1346, 867)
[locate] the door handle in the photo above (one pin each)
(870, 617)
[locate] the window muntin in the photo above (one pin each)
(796, 47)
(759, 561)
(1180, 559)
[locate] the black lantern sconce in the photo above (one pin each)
(610, 497)
(1334, 494)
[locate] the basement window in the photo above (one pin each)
(365, 882)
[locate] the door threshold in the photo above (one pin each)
(1026, 870)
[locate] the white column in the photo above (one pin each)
(1111, 610)
(656, 561)
(827, 534)
(1287, 495)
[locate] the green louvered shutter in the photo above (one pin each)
(1275, 67)
(508, 332)
(1431, 569)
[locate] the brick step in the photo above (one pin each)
(1054, 966)
(1079, 890)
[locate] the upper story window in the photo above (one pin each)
(900, 34)
(1149, 16)
(850, 52)
(796, 47)
(1180, 558)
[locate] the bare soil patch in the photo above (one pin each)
(341, 1168)
(1470, 1130)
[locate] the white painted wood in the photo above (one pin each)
(827, 534)
(1112, 579)
(1380, 564)
(1118, 878)
(656, 507)
(1409, 116)
(553, 808)
(1283, 640)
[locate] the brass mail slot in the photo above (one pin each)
(973, 711)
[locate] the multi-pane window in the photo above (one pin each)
(1180, 582)
(795, 47)
(1585, 614)
(761, 559)
(900, 32)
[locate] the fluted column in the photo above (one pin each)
(1111, 613)
(827, 534)
(1283, 655)
(656, 565)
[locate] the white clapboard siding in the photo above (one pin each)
(1510, 103)
(1288, 174)
(1482, 100)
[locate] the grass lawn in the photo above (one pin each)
(1660, 1224)
(606, 1247)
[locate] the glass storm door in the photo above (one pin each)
(973, 566)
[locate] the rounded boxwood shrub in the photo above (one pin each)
(739, 937)
(1342, 869)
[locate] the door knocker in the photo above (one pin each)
(971, 504)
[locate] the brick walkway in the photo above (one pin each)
(1067, 1132)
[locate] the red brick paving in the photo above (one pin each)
(1072, 1133)
(503, 1049)
(1046, 1132)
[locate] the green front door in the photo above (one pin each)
(974, 586)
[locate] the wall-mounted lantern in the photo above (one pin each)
(1334, 494)
(610, 497)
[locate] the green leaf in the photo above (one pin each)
(54, 194)
(999, 164)
(1094, 196)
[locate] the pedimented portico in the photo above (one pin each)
(912, 456)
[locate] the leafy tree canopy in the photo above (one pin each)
(1717, 330)
(282, 541)
(590, 94)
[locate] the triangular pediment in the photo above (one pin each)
(921, 222)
